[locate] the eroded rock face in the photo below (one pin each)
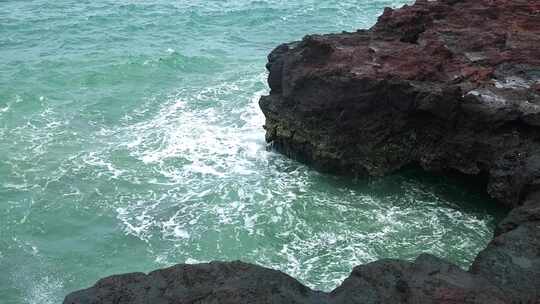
(448, 85)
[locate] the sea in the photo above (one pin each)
(131, 139)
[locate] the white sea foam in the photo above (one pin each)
(44, 290)
(94, 159)
(35, 278)
(200, 138)
(207, 189)
(4, 109)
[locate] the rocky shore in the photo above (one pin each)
(448, 85)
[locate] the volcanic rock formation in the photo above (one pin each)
(450, 85)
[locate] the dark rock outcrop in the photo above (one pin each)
(426, 280)
(216, 282)
(511, 260)
(450, 85)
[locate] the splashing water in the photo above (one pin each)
(131, 139)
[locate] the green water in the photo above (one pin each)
(131, 139)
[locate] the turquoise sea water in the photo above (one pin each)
(131, 139)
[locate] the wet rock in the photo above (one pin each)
(449, 85)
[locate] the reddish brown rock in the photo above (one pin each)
(449, 85)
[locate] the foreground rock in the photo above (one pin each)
(225, 283)
(427, 280)
(451, 85)
(512, 260)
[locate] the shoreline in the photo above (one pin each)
(446, 85)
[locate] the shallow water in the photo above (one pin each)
(131, 139)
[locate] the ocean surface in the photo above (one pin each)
(131, 139)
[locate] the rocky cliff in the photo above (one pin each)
(449, 85)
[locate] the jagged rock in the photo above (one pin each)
(427, 280)
(449, 85)
(528, 212)
(512, 262)
(217, 282)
